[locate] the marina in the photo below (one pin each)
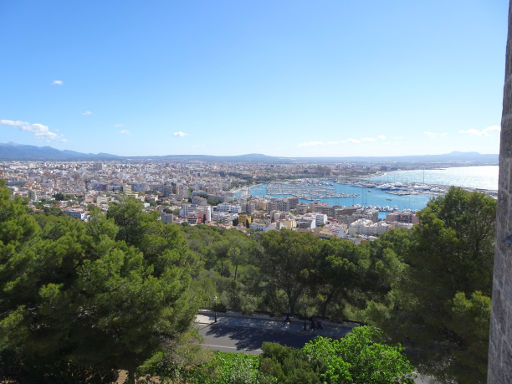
(307, 189)
(400, 190)
(347, 195)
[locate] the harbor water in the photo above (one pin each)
(480, 177)
(484, 177)
(365, 197)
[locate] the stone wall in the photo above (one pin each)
(500, 344)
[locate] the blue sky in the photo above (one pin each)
(289, 78)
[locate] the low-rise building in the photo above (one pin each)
(367, 227)
(320, 219)
(286, 224)
(258, 225)
(226, 207)
(301, 208)
(199, 200)
(224, 217)
(306, 222)
(77, 213)
(244, 218)
(402, 217)
(167, 217)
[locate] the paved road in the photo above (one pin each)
(227, 338)
(232, 338)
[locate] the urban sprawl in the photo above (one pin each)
(215, 193)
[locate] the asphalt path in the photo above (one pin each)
(227, 338)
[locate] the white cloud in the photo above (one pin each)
(119, 125)
(125, 132)
(39, 130)
(57, 82)
(369, 139)
(483, 132)
(382, 137)
(179, 134)
(353, 141)
(87, 113)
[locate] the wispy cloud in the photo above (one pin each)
(179, 134)
(119, 125)
(482, 132)
(57, 82)
(338, 142)
(87, 113)
(39, 130)
(125, 132)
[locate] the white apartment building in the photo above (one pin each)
(231, 208)
(306, 222)
(76, 213)
(224, 217)
(367, 227)
(320, 219)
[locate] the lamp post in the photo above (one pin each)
(215, 308)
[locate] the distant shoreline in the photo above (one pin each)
(404, 193)
(447, 184)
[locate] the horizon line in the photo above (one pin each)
(12, 144)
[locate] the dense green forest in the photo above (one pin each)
(81, 301)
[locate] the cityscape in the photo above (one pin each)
(221, 194)
(233, 192)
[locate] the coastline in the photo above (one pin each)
(364, 191)
(483, 178)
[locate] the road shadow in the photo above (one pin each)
(252, 338)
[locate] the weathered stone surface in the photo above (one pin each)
(506, 138)
(500, 343)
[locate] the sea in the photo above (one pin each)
(481, 177)
(478, 177)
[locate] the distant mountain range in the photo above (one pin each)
(11, 151)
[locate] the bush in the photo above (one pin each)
(287, 365)
(359, 357)
(237, 368)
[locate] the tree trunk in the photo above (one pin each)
(131, 376)
(327, 300)
(292, 300)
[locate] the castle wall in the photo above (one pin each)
(500, 343)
